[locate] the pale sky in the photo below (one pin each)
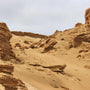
(42, 16)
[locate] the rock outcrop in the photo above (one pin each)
(6, 69)
(7, 80)
(29, 34)
(6, 52)
(47, 44)
(78, 24)
(54, 68)
(81, 38)
(87, 16)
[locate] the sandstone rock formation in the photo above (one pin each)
(55, 34)
(87, 16)
(49, 45)
(8, 81)
(7, 69)
(81, 38)
(6, 52)
(29, 34)
(54, 68)
(78, 24)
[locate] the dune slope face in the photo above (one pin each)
(57, 62)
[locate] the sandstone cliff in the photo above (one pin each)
(6, 52)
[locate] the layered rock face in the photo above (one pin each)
(29, 34)
(5, 47)
(6, 69)
(7, 81)
(47, 44)
(87, 16)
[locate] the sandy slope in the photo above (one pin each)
(76, 77)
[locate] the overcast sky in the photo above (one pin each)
(42, 16)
